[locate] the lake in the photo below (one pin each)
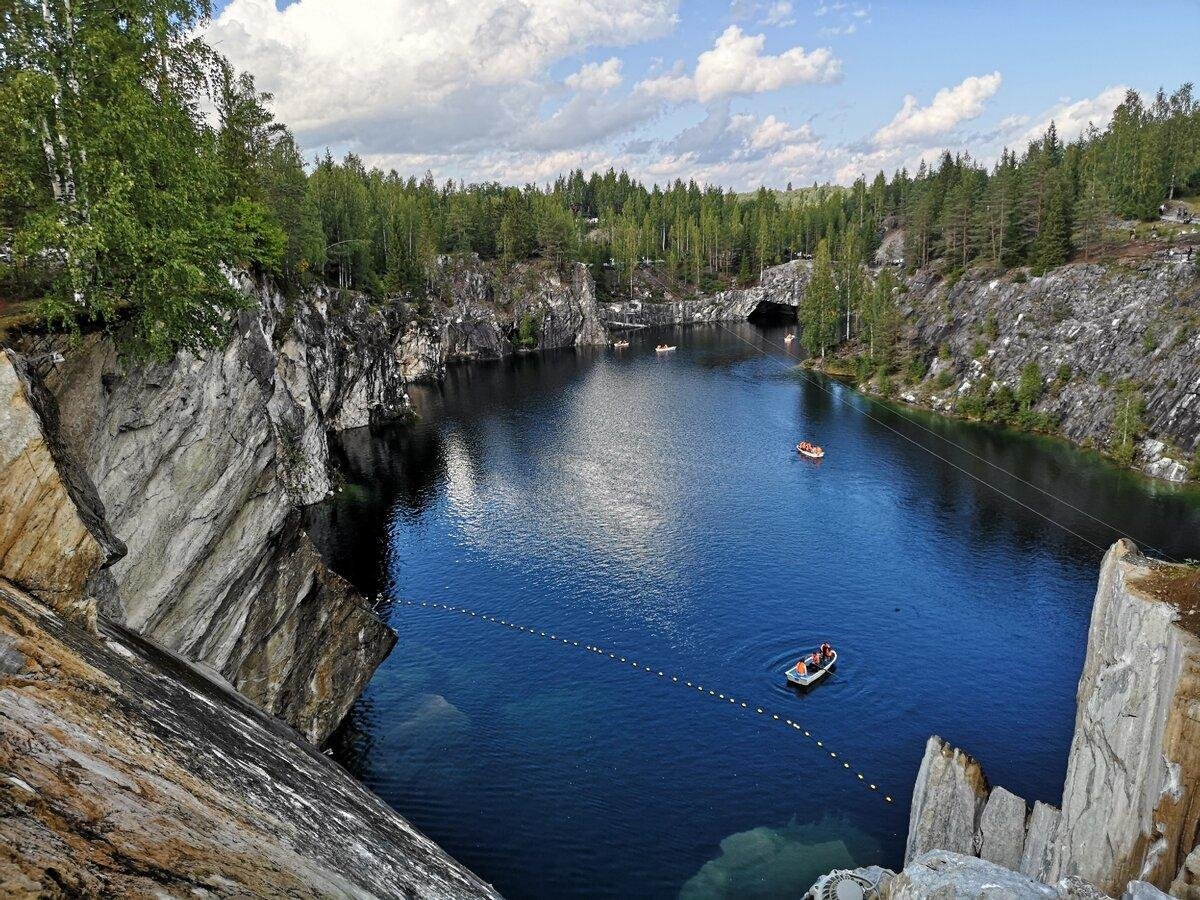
(653, 507)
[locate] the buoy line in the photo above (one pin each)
(667, 678)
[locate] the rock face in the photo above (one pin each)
(128, 773)
(1098, 324)
(1002, 829)
(201, 463)
(53, 534)
(1036, 858)
(949, 798)
(1129, 820)
(782, 285)
(479, 308)
(1133, 775)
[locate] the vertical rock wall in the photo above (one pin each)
(201, 463)
(1131, 804)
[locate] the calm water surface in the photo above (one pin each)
(655, 506)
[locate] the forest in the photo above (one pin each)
(137, 168)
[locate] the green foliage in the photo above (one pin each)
(978, 349)
(943, 380)
(125, 201)
(1029, 386)
(818, 314)
(884, 383)
(122, 201)
(1127, 422)
(527, 332)
(1064, 373)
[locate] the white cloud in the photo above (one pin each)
(431, 75)
(950, 106)
(1072, 118)
(737, 65)
(778, 14)
(596, 76)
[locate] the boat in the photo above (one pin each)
(620, 345)
(664, 348)
(789, 337)
(812, 451)
(811, 676)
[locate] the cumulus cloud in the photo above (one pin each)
(736, 64)
(414, 74)
(596, 76)
(950, 107)
(1071, 118)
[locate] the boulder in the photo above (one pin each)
(1002, 829)
(953, 876)
(948, 800)
(54, 537)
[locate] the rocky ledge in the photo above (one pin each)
(125, 772)
(1129, 824)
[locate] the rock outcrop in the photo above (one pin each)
(953, 876)
(126, 772)
(479, 308)
(779, 286)
(1089, 327)
(201, 464)
(53, 534)
(1131, 803)
(949, 798)
(1130, 819)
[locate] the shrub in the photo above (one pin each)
(943, 380)
(1029, 388)
(978, 349)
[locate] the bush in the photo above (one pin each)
(1029, 388)
(883, 381)
(978, 349)
(943, 380)
(1064, 373)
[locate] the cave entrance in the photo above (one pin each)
(770, 313)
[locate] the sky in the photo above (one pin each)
(740, 93)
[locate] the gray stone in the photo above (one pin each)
(1039, 841)
(953, 876)
(1094, 319)
(138, 776)
(1002, 829)
(948, 799)
(1134, 762)
(1141, 890)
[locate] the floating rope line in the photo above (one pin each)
(657, 673)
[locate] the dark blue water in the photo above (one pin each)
(654, 506)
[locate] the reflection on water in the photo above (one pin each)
(656, 504)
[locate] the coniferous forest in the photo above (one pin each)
(137, 168)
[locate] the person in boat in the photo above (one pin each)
(802, 667)
(826, 651)
(815, 660)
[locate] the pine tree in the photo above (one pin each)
(817, 314)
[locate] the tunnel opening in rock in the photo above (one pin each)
(770, 313)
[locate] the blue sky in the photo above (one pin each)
(740, 93)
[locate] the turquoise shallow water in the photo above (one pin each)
(654, 507)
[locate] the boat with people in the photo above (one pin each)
(620, 345)
(664, 348)
(789, 337)
(813, 666)
(812, 451)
